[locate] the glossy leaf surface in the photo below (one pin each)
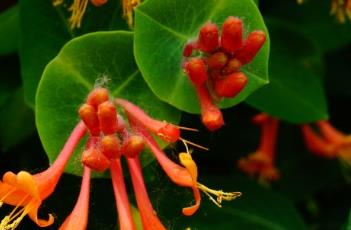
(162, 28)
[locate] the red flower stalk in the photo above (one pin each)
(211, 115)
(222, 62)
(168, 132)
(125, 217)
(176, 173)
(29, 191)
(329, 143)
(78, 219)
(149, 217)
(261, 162)
(183, 176)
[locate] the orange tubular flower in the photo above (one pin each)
(183, 176)
(28, 191)
(330, 143)
(149, 218)
(123, 207)
(109, 138)
(341, 8)
(78, 219)
(261, 162)
(79, 7)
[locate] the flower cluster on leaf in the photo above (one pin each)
(110, 137)
(215, 70)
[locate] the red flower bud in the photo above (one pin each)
(169, 133)
(232, 66)
(188, 49)
(252, 45)
(133, 146)
(95, 160)
(98, 3)
(232, 34)
(231, 85)
(196, 70)
(217, 60)
(110, 147)
(97, 96)
(88, 114)
(208, 38)
(107, 117)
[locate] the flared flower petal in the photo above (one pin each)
(28, 191)
(261, 162)
(329, 142)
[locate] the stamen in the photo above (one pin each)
(78, 9)
(15, 217)
(6, 195)
(219, 194)
(194, 144)
(18, 205)
(187, 128)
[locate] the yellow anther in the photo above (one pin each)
(57, 2)
(218, 194)
(128, 7)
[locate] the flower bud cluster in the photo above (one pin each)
(215, 69)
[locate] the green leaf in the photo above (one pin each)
(9, 31)
(295, 92)
(44, 30)
(162, 28)
(348, 225)
(16, 121)
(71, 76)
(257, 209)
(314, 19)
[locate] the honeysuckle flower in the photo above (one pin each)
(128, 7)
(183, 176)
(109, 139)
(79, 7)
(329, 142)
(261, 162)
(78, 219)
(215, 72)
(341, 9)
(123, 207)
(149, 218)
(26, 192)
